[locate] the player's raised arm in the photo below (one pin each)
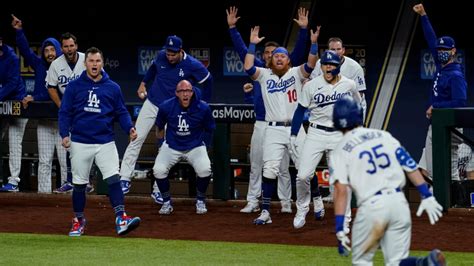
(307, 68)
(249, 65)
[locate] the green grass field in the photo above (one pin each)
(32, 249)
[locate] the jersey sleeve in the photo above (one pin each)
(338, 169)
(161, 118)
(359, 79)
(52, 76)
(304, 98)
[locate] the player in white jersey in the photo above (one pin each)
(65, 68)
(352, 70)
(374, 164)
(318, 96)
(280, 86)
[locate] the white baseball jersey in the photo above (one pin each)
(349, 68)
(60, 74)
(366, 160)
(280, 94)
(319, 97)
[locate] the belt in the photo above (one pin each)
(328, 129)
(280, 124)
(388, 191)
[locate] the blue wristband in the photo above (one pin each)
(424, 191)
(314, 49)
(339, 223)
(307, 68)
(252, 47)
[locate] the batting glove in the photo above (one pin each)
(294, 148)
(432, 208)
(343, 244)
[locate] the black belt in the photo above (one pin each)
(280, 124)
(328, 129)
(388, 191)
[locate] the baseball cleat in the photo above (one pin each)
(436, 258)
(300, 219)
(157, 197)
(65, 188)
(89, 188)
(166, 209)
(264, 218)
(78, 227)
(125, 185)
(250, 207)
(125, 224)
(201, 207)
(318, 208)
(9, 187)
(286, 207)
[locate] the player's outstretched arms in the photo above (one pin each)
(302, 20)
(232, 17)
(419, 9)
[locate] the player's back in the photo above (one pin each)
(370, 159)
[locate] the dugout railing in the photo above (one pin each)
(444, 122)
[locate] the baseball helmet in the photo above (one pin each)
(330, 57)
(347, 113)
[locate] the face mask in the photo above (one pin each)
(443, 56)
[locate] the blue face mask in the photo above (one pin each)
(443, 56)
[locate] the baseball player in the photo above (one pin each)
(352, 70)
(253, 95)
(280, 85)
(170, 66)
(374, 164)
(189, 130)
(62, 70)
(47, 131)
(449, 89)
(318, 96)
(94, 99)
(12, 88)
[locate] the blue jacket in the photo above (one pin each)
(186, 128)
(88, 110)
(12, 86)
(166, 76)
(449, 87)
(255, 96)
(38, 63)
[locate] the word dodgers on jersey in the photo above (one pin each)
(281, 85)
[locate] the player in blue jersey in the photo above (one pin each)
(170, 66)
(189, 127)
(94, 99)
(449, 89)
(12, 88)
(253, 95)
(48, 132)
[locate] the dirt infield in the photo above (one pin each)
(51, 214)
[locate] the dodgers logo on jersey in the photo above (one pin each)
(181, 72)
(92, 103)
(280, 85)
(322, 100)
(183, 127)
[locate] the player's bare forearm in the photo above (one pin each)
(53, 94)
(415, 177)
(340, 198)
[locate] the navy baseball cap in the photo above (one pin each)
(173, 43)
(445, 42)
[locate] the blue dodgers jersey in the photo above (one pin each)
(186, 129)
(168, 75)
(88, 110)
